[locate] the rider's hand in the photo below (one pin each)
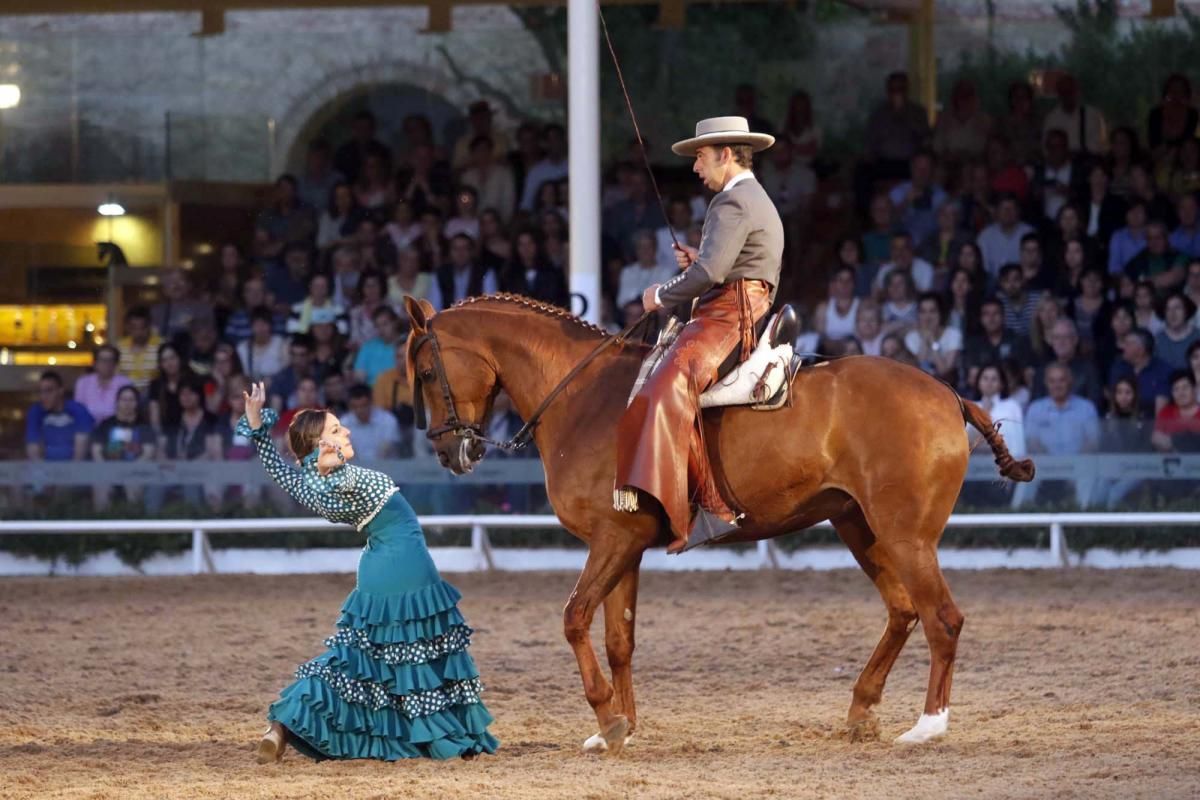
(684, 255)
(649, 302)
(255, 399)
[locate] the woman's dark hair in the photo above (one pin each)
(842, 242)
(137, 398)
(1134, 411)
(936, 299)
(332, 208)
(999, 371)
(305, 431)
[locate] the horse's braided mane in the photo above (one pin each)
(537, 305)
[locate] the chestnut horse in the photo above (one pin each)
(876, 447)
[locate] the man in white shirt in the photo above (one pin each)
(1000, 242)
(374, 431)
(553, 167)
(904, 259)
(493, 180)
(1085, 126)
(1055, 179)
(479, 117)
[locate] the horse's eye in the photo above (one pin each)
(427, 375)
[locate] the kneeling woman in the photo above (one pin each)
(396, 681)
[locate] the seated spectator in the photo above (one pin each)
(1171, 343)
(466, 214)
(335, 393)
(378, 354)
(1020, 124)
(994, 344)
(349, 158)
(404, 229)
(139, 348)
(848, 253)
(1086, 128)
(330, 353)
(202, 347)
(479, 119)
(1018, 300)
(339, 218)
(1065, 351)
(286, 221)
(238, 326)
(1057, 178)
(371, 297)
(1186, 237)
(393, 394)
(301, 364)
(264, 353)
(893, 347)
(235, 447)
(992, 393)
(531, 274)
(195, 436)
(969, 259)
(319, 177)
(56, 429)
(1127, 242)
(552, 166)
(348, 265)
(942, 248)
(1061, 424)
(462, 276)
(1138, 361)
(788, 181)
(374, 189)
(1177, 426)
(896, 130)
(936, 346)
(1158, 262)
(287, 282)
(1142, 188)
(1179, 174)
(408, 280)
(976, 201)
(918, 199)
(163, 394)
(1123, 430)
(1034, 270)
(1068, 228)
(180, 306)
(1103, 209)
(639, 212)
(307, 395)
(868, 327)
(904, 260)
(124, 436)
(962, 129)
(319, 299)
(800, 129)
(97, 390)
(495, 248)
(1046, 314)
(1191, 287)
(640, 275)
(836, 315)
(679, 212)
(491, 178)
(1000, 242)
(1110, 331)
(1005, 174)
(375, 433)
(877, 241)
(900, 304)
(1145, 307)
(1173, 121)
(962, 302)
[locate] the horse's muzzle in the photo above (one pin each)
(463, 456)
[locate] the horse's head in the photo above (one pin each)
(456, 383)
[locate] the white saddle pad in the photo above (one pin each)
(768, 365)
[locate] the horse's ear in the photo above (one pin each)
(419, 312)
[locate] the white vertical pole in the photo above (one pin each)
(1058, 544)
(583, 140)
(481, 546)
(197, 552)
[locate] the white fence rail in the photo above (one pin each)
(768, 555)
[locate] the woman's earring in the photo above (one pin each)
(341, 458)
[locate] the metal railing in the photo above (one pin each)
(483, 557)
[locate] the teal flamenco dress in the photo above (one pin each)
(396, 680)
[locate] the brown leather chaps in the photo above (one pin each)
(660, 448)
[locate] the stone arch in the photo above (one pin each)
(314, 107)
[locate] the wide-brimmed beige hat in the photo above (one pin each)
(723, 130)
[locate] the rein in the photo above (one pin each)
(473, 431)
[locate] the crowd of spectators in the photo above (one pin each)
(1038, 262)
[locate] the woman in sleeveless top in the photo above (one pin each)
(835, 316)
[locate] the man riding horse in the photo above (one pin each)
(734, 275)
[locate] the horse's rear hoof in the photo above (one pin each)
(928, 728)
(614, 735)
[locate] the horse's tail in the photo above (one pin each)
(981, 421)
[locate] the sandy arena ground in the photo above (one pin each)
(1069, 684)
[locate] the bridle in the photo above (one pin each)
(468, 432)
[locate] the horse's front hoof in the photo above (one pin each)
(596, 744)
(614, 735)
(928, 728)
(863, 729)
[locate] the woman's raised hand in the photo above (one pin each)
(255, 399)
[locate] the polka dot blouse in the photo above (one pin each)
(347, 494)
